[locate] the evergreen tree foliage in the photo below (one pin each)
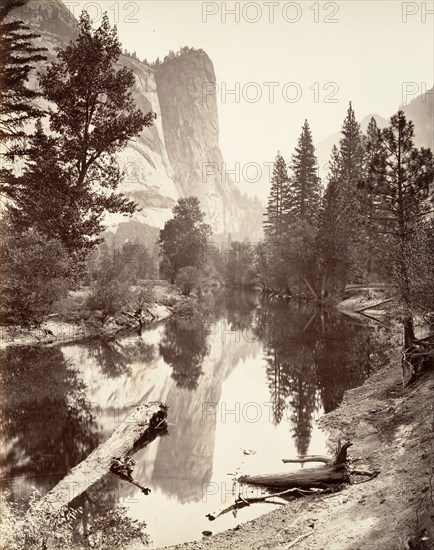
(18, 57)
(342, 237)
(401, 180)
(305, 184)
(276, 217)
(71, 178)
(374, 264)
(331, 237)
(350, 216)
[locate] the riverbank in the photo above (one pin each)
(391, 428)
(75, 323)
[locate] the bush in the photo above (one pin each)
(111, 530)
(187, 279)
(144, 296)
(168, 301)
(35, 272)
(110, 295)
(186, 309)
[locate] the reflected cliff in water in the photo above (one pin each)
(249, 373)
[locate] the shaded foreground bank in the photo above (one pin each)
(392, 430)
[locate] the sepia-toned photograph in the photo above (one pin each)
(216, 275)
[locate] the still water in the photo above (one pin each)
(250, 376)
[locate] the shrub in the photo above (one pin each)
(168, 301)
(144, 295)
(186, 309)
(35, 272)
(111, 530)
(187, 279)
(110, 295)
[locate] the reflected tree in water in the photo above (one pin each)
(343, 360)
(46, 419)
(239, 308)
(115, 356)
(184, 347)
(102, 523)
(308, 354)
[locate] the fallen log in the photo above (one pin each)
(142, 426)
(334, 472)
(309, 458)
(304, 479)
(328, 478)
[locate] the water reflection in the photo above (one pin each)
(310, 356)
(47, 424)
(116, 356)
(61, 402)
(184, 347)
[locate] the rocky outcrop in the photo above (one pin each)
(167, 160)
(191, 131)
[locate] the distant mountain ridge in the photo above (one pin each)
(420, 111)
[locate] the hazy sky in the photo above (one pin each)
(315, 57)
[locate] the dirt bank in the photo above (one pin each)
(64, 332)
(392, 431)
(77, 323)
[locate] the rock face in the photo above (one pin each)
(421, 112)
(191, 131)
(167, 161)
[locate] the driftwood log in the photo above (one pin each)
(141, 427)
(331, 477)
(334, 472)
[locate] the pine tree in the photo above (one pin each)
(276, 216)
(372, 146)
(331, 237)
(305, 183)
(351, 152)
(401, 180)
(351, 213)
(342, 237)
(18, 57)
(76, 169)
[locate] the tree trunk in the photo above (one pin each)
(303, 479)
(336, 472)
(140, 428)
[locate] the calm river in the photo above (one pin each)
(254, 377)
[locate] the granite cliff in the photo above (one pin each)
(168, 160)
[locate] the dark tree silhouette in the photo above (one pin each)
(183, 239)
(276, 216)
(73, 175)
(305, 183)
(18, 57)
